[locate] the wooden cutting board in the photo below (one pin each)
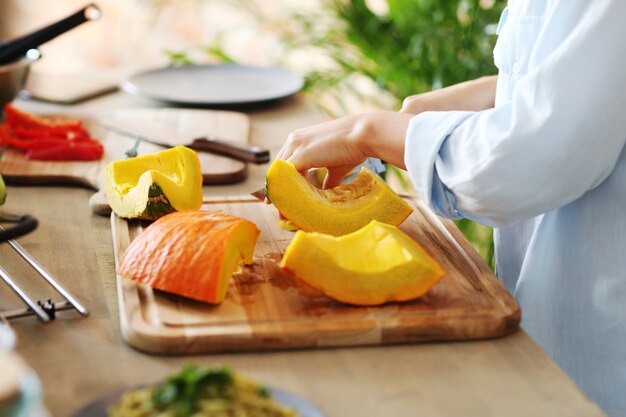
(174, 126)
(266, 309)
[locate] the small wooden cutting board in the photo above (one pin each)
(266, 309)
(173, 126)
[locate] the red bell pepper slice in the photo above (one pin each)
(7, 138)
(75, 151)
(48, 138)
(50, 132)
(16, 117)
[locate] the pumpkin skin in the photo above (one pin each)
(191, 253)
(151, 186)
(374, 265)
(336, 211)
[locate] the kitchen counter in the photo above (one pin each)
(79, 359)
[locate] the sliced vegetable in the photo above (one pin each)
(38, 133)
(48, 138)
(3, 191)
(15, 117)
(374, 265)
(67, 152)
(335, 211)
(191, 253)
(151, 186)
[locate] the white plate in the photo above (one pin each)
(211, 85)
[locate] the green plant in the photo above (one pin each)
(375, 53)
(412, 46)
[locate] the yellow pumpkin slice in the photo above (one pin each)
(334, 211)
(374, 265)
(3, 190)
(150, 186)
(191, 253)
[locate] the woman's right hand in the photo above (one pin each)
(344, 143)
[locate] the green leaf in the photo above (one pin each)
(178, 58)
(264, 392)
(219, 53)
(182, 392)
(418, 46)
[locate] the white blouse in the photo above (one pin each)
(547, 168)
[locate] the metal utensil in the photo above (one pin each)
(44, 310)
(13, 76)
(71, 300)
(15, 49)
(259, 194)
(32, 306)
(23, 224)
(254, 154)
(132, 151)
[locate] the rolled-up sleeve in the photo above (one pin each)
(558, 136)
(422, 151)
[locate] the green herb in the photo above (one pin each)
(179, 58)
(217, 52)
(181, 393)
(264, 392)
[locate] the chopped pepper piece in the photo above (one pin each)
(50, 139)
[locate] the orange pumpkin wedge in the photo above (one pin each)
(191, 253)
(374, 265)
(335, 211)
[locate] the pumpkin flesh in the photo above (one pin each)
(191, 253)
(336, 211)
(372, 266)
(3, 191)
(150, 186)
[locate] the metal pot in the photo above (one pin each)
(13, 77)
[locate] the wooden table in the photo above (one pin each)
(80, 359)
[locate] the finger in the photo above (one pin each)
(286, 151)
(299, 162)
(295, 140)
(335, 175)
(281, 154)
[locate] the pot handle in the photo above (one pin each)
(23, 224)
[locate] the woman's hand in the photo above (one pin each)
(344, 143)
(475, 95)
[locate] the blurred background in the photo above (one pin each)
(355, 55)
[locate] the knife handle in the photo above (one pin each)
(24, 224)
(254, 154)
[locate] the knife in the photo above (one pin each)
(259, 194)
(254, 154)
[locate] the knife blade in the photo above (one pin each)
(254, 154)
(259, 194)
